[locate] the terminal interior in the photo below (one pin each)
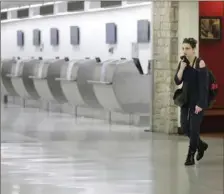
(78, 102)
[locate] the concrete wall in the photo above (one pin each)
(165, 52)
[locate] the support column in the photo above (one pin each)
(92, 5)
(34, 11)
(60, 7)
(165, 46)
(12, 14)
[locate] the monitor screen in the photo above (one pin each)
(138, 65)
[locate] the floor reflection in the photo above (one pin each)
(53, 153)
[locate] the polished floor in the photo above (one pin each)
(50, 153)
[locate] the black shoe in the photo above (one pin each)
(190, 159)
(202, 148)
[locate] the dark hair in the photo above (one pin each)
(191, 41)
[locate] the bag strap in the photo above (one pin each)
(196, 62)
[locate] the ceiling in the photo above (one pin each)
(17, 3)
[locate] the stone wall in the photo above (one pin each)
(165, 45)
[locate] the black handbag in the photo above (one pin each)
(180, 96)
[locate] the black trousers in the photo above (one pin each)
(190, 124)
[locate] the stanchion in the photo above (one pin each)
(130, 119)
(76, 111)
(24, 102)
(109, 115)
(5, 99)
(151, 74)
(48, 107)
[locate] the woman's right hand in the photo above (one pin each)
(183, 65)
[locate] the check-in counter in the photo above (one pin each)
(20, 78)
(132, 87)
(45, 82)
(103, 85)
(120, 86)
(68, 80)
(85, 72)
(6, 70)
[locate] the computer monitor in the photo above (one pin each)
(98, 60)
(138, 65)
